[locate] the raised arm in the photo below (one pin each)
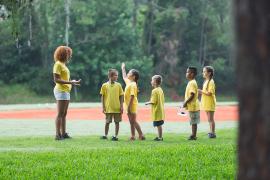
(124, 73)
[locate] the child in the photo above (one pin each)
(191, 101)
(157, 102)
(131, 100)
(208, 100)
(112, 102)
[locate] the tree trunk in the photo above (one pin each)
(134, 14)
(253, 72)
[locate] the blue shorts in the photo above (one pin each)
(59, 95)
(158, 123)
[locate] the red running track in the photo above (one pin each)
(223, 113)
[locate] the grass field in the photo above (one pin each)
(90, 158)
(22, 94)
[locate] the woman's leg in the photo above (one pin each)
(63, 123)
(60, 113)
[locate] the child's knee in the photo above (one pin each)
(61, 114)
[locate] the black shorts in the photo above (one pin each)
(158, 123)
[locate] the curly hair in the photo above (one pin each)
(62, 53)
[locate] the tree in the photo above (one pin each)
(253, 52)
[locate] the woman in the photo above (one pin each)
(62, 88)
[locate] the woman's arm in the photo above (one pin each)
(57, 79)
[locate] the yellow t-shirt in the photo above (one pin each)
(157, 98)
(62, 70)
(127, 81)
(192, 87)
(208, 103)
(111, 94)
(131, 89)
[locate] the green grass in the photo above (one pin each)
(21, 94)
(91, 158)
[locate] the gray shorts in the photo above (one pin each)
(117, 117)
(194, 117)
(59, 95)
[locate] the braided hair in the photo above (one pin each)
(210, 70)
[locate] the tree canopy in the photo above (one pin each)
(154, 36)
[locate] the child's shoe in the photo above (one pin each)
(114, 138)
(158, 139)
(66, 136)
(103, 137)
(132, 138)
(212, 135)
(192, 137)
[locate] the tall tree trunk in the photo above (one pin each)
(134, 13)
(151, 12)
(45, 34)
(253, 63)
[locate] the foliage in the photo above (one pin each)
(165, 39)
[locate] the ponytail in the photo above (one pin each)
(209, 69)
(135, 73)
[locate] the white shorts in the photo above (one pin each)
(60, 95)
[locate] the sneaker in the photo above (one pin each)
(103, 137)
(114, 138)
(142, 138)
(58, 137)
(158, 139)
(212, 135)
(132, 138)
(66, 136)
(192, 137)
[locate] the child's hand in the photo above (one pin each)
(123, 66)
(103, 110)
(199, 91)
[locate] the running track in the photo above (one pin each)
(223, 113)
